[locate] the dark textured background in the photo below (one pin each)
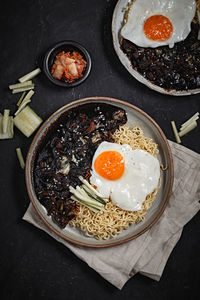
(32, 264)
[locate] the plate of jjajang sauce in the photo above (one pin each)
(67, 154)
(173, 71)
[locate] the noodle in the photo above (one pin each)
(113, 220)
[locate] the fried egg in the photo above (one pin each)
(155, 23)
(126, 176)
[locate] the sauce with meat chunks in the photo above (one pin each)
(66, 153)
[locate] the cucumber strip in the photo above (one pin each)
(20, 85)
(21, 98)
(198, 14)
(30, 75)
(26, 88)
(195, 117)
(82, 202)
(83, 193)
(178, 140)
(90, 187)
(25, 101)
(188, 128)
(84, 198)
(91, 194)
(22, 107)
(5, 120)
(20, 157)
(10, 133)
(27, 121)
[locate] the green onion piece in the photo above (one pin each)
(26, 88)
(26, 100)
(188, 128)
(5, 120)
(27, 121)
(30, 75)
(178, 140)
(21, 98)
(20, 85)
(20, 157)
(10, 133)
(195, 117)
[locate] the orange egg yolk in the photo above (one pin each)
(158, 28)
(110, 165)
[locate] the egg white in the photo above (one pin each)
(179, 12)
(140, 177)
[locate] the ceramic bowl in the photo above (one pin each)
(66, 46)
(135, 117)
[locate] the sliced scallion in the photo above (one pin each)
(20, 157)
(188, 128)
(27, 121)
(26, 88)
(20, 85)
(30, 75)
(178, 140)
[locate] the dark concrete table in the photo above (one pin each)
(32, 264)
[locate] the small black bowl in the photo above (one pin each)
(66, 46)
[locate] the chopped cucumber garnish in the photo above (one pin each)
(90, 187)
(188, 128)
(25, 101)
(30, 75)
(27, 121)
(9, 133)
(87, 195)
(20, 157)
(21, 98)
(178, 140)
(22, 89)
(82, 202)
(20, 85)
(195, 117)
(5, 120)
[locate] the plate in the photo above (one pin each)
(151, 129)
(117, 21)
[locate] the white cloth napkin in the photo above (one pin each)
(148, 253)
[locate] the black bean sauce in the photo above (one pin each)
(67, 153)
(170, 68)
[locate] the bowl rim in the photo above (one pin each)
(28, 171)
(127, 63)
(73, 44)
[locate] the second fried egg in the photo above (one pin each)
(155, 23)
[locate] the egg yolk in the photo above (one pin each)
(158, 28)
(110, 165)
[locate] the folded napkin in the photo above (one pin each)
(148, 253)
